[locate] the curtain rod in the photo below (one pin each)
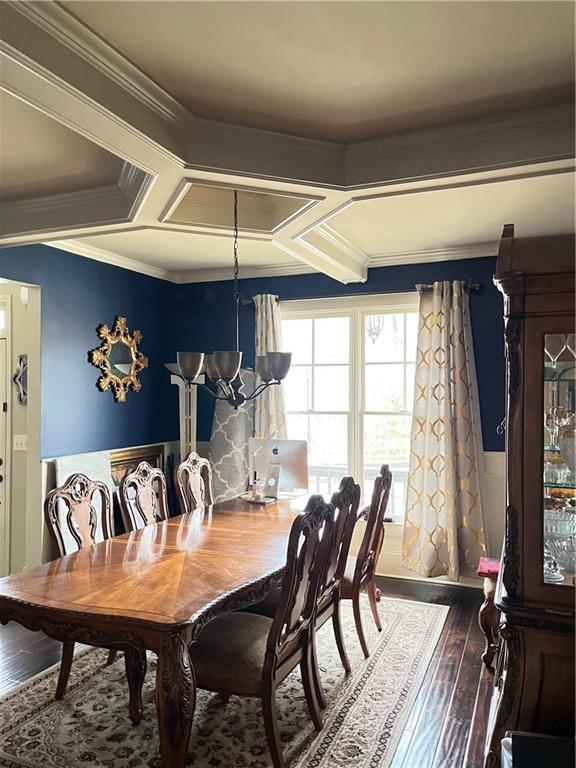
(467, 285)
(248, 302)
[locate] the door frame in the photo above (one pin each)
(6, 513)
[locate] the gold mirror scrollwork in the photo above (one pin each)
(119, 359)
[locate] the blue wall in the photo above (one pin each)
(203, 322)
(77, 295)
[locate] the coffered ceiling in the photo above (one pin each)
(345, 70)
(38, 156)
(357, 133)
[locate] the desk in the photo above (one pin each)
(154, 589)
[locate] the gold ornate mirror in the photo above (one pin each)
(119, 359)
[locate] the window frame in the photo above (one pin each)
(356, 308)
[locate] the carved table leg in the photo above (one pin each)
(135, 662)
(175, 700)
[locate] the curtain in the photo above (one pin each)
(270, 415)
(228, 452)
(443, 526)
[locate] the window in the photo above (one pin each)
(350, 389)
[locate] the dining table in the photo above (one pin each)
(153, 589)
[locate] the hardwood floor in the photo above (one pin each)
(448, 721)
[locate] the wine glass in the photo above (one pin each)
(563, 417)
(554, 345)
(551, 427)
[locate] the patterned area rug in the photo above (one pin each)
(364, 720)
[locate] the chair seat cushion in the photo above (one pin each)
(231, 650)
(267, 606)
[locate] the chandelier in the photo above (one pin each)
(374, 326)
(223, 367)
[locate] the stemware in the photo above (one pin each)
(554, 345)
(551, 427)
(563, 417)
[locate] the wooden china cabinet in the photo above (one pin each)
(534, 679)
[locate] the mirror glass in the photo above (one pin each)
(120, 358)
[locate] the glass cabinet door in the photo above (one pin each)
(559, 470)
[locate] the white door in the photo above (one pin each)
(4, 510)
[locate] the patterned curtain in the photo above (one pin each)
(228, 452)
(270, 416)
(443, 528)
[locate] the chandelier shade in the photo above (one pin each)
(279, 363)
(227, 364)
(211, 368)
(189, 364)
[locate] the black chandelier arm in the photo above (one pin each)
(215, 395)
(260, 388)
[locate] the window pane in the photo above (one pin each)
(387, 441)
(331, 388)
(327, 452)
(410, 373)
(411, 335)
(384, 338)
(297, 338)
(384, 390)
(332, 340)
(298, 388)
(297, 426)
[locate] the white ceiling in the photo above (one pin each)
(455, 218)
(181, 251)
(345, 70)
(38, 156)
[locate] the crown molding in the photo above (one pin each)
(107, 257)
(113, 204)
(472, 251)
(83, 41)
(521, 138)
(246, 273)
(176, 276)
(266, 155)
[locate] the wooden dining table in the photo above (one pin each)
(154, 589)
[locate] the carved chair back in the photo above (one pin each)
(306, 561)
(143, 498)
(76, 497)
(345, 502)
(373, 538)
(194, 483)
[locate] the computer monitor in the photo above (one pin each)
(291, 456)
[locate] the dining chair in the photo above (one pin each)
(193, 478)
(345, 502)
(143, 498)
(360, 571)
(73, 530)
(246, 654)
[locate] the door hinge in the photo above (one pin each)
(5, 407)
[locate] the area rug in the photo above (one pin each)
(364, 720)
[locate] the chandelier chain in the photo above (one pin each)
(236, 271)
